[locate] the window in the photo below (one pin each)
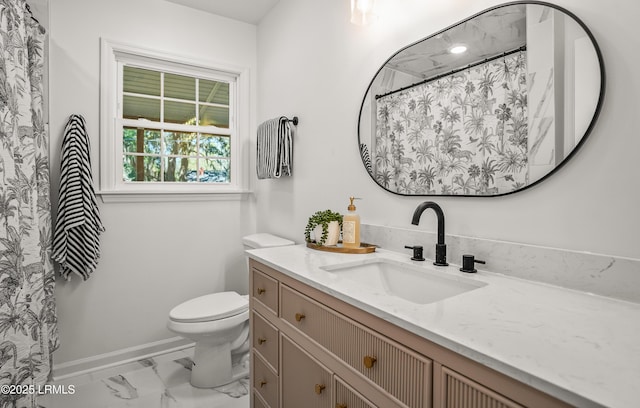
(175, 128)
(168, 126)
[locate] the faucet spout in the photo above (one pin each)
(439, 214)
(441, 248)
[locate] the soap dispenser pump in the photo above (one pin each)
(351, 227)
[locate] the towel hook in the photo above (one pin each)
(294, 120)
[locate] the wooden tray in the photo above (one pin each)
(363, 249)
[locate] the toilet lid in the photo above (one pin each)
(210, 307)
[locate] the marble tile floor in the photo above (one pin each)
(158, 382)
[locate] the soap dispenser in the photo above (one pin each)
(351, 227)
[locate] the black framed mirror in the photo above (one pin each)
(489, 106)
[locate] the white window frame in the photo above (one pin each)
(113, 188)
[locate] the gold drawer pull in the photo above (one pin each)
(319, 388)
(261, 291)
(261, 340)
(341, 405)
(300, 316)
(369, 361)
(263, 383)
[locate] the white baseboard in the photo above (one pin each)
(114, 358)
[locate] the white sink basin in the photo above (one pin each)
(417, 284)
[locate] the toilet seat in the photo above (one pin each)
(215, 306)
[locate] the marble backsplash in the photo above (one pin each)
(610, 276)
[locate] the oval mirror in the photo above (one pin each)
(489, 106)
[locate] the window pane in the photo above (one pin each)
(214, 145)
(180, 169)
(213, 92)
(141, 168)
(214, 116)
(141, 108)
(139, 140)
(180, 143)
(130, 140)
(214, 171)
(179, 87)
(178, 112)
(142, 81)
(155, 104)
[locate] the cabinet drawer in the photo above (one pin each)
(265, 290)
(305, 383)
(460, 391)
(347, 397)
(265, 382)
(401, 372)
(257, 401)
(265, 340)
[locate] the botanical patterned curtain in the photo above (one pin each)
(28, 331)
(463, 134)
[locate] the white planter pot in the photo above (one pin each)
(332, 237)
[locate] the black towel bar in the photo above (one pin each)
(294, 120)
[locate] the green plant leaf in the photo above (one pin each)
(322, 218)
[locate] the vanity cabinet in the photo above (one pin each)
(265, 382)
(305, 381)
(310, 349)
(265, 290)
(347, 397)
(402, 373)
(459, 391)
(265, 340)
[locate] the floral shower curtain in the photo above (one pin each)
(28, 330)
(464, 134)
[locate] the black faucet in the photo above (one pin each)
(441, 248)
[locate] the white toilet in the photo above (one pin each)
(219, 324)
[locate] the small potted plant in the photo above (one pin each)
(326, 226)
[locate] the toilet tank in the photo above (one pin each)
(264, 240)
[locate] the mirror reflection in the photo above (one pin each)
(487, 107)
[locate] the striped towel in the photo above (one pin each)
(275, 148)
(76, 242)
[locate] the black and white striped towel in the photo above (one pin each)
(275, 148)
(76, 241)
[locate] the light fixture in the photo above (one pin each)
(457, 49)
(363, 12)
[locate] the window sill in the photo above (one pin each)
(170, 196)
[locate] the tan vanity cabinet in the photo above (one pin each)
(258, 403)
(265, 290)
(328, 353)
(347, 397)
(265, 340)
(305, 382)
(402, 373)
(460, 391)
(265, 382)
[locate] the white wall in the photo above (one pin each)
(315, 64)
(154, 255)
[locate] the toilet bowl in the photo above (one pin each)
(219, 325)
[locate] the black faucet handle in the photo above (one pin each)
(468, 263)
(417, 252)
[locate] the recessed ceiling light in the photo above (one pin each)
(458, 49)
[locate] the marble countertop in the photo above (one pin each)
(581, 348)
